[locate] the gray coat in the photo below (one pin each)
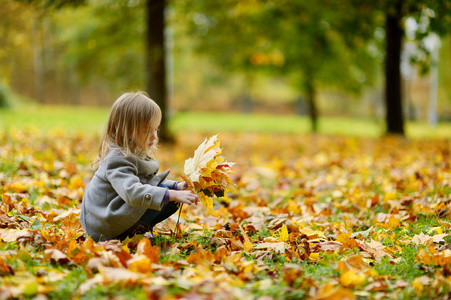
(121, 190)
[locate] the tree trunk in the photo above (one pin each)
(311, 99)
(433, 82)
(38, 63)
(155, 60)
(393, 98)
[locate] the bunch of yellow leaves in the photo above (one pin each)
(207, 172)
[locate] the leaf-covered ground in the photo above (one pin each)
(311, 217)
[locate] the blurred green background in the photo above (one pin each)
(229, 65)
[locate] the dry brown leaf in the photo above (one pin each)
(14, 235)
(221, 233)
(330, 246)
(422, 239)
(278, 247)
(56, 256)
(8, 222)
(376, 249)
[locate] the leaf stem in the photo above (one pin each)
(178, 219)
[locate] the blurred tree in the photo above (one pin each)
(15, 50)
(393, 101)
(294, 39)
(106, 46)
(126, 41)
(315, 47)
(328, 43)
(431, 16)
(41, 9)
(4, 103)
(156, 60)
(121, 42)
(444, 77)
(48, 4)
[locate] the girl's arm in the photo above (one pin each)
(182, 185)
(172, 184)
(122, 172)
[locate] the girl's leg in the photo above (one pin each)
(150, 218)
(139, 227)
(153, 217)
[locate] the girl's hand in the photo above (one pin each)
(186, 197)
(182, 186)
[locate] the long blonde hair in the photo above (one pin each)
(132, 115)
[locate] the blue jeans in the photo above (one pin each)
(150, 218)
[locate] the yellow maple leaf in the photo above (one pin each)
(248, 245)
(314, 256)
(206, 201)
(283, 235)
(351, 278)
(204, 154)
(207, 173)
(417, 285)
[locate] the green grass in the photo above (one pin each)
(82, 119)
(223, 122)
(217, 122)
(92, 120)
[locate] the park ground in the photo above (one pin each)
(345, 213)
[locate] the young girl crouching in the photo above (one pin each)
(126, 195)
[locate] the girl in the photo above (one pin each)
(126, 196)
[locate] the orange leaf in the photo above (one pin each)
(346, 240)
(201, 257)
(5, 269)
(151, 252)
(220, 253)
(330, 292)
(140, 263)
(355, 263)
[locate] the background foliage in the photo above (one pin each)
(248, 56)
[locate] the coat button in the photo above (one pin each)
(147, 196)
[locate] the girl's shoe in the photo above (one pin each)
(150, 235)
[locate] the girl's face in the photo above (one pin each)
(147, 141)
(153, 138)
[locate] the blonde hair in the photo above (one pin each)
(132, 115)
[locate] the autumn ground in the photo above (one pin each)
(311, 217)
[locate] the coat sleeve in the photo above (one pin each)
(161, 178)
(122, 172)
(170, 183)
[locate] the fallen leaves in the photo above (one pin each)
(310, 217)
